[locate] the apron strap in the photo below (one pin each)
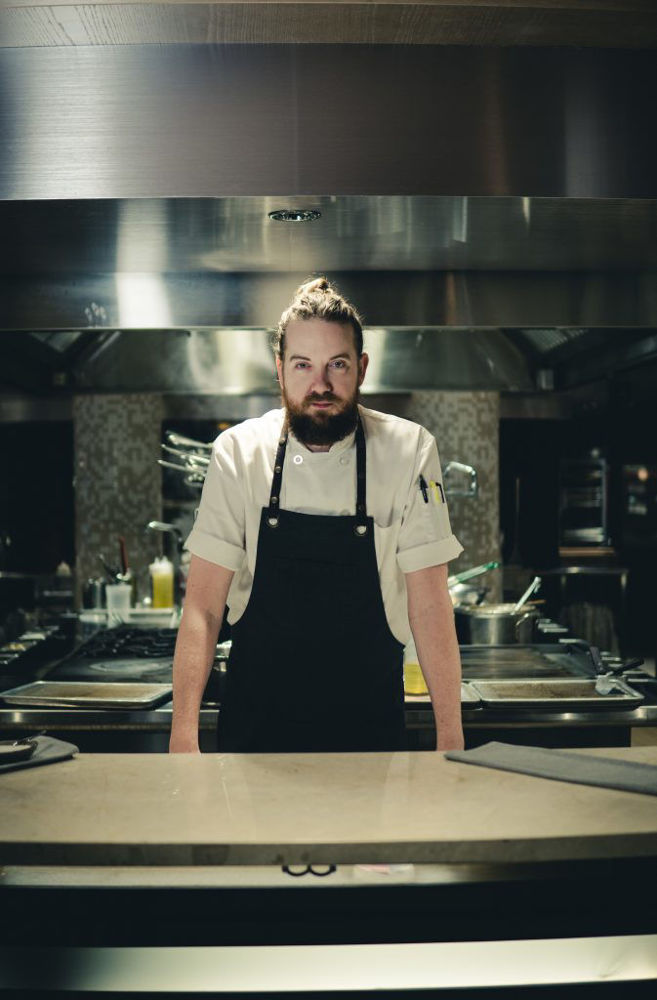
(360, 527)
(277, 479)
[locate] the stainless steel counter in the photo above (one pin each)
(418, 716)
(479, 721)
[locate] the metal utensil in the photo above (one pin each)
(194, 460)
(110, 572)
(180, 439)
(531, 589)
(195, 478)
(605, 682)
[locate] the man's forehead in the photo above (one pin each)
(304, 335)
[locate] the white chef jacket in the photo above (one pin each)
(411, 522)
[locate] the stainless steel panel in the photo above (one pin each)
(619, 23)
(218, 120)
(230, 362)
(403, 968)
(458, 299)
(355, 233)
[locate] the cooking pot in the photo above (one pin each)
(494, 624)
(467, 593)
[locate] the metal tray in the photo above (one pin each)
(552, 695)
(469, 698)
(87, 694)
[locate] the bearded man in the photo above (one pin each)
(323, 527)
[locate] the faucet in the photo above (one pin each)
(167, 528)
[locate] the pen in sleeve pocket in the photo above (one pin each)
(423, 487)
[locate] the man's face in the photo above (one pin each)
(320, 377)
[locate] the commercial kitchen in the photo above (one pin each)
(481, 180)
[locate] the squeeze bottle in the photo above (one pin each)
(413, 679)
(161, 571)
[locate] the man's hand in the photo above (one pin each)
(450, 739)
(183, 744)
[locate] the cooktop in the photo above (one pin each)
(123, 653)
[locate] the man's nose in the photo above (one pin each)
(321, 381)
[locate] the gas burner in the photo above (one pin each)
(136, 668)
(135, 643)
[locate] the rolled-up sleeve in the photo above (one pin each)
(218, 534)
(426, 537)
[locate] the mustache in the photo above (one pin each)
(326, 397)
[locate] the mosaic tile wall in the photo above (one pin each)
(466, 427)
(117, 481)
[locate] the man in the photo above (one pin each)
(323, 527)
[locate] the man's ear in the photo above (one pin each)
(363, 362)
(279, 370)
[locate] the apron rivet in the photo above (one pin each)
(272, 522)
(361, 529)
(278, 469)
(274, 499)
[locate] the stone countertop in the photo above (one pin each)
(275, 809)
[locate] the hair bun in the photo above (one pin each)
(318, 299)
(310, 287)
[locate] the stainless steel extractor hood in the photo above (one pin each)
(179, 295)
(482, 207)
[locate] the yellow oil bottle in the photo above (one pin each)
(414, 682)
(161, 571)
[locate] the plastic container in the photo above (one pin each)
(118, 597)
(414, 682)
(161, 571)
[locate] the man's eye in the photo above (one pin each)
(301, 364)
(339, 364)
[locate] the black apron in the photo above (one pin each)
(313, 665)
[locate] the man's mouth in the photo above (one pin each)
(321, 404)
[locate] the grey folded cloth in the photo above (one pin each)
(562, 765)
(48, 750)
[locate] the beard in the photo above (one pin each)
(317, 426)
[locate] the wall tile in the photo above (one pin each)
(466, 427)
(117, 481)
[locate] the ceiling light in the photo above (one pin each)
(295, 215)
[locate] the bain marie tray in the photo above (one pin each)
(469, 698)
(552, 695)
(87, 694)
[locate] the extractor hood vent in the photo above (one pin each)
(549, 339)
(58, 340)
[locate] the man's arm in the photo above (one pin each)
(205, 600)
(431, 615)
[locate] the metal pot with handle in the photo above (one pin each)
(495, 624)
(466, 593)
